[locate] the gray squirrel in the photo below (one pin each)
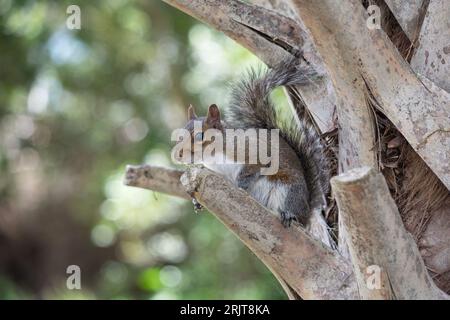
(302, 181)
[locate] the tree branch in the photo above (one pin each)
(432, 56)
(234, 18)
(356, 125)
(378, 237)
(157, 179)
(431, 59)
(311, 269)
(407, 13)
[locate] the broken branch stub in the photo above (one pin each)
(378, 240)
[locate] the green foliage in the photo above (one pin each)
(75, 107)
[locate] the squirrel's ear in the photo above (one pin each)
(213, 117)
(191, 113)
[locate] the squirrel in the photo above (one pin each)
(302, 181)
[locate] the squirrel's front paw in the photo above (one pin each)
(197, 206)
(287, 218)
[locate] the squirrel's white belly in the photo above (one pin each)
(270, 194)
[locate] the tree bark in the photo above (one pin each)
(378, 238)
(432, 56)
(408, 14)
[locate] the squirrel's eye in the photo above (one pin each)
(198, 136)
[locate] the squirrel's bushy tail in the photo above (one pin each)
(251, 107)
(250, 102)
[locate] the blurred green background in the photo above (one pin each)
(76, 106)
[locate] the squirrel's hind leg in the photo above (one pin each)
(197, 205)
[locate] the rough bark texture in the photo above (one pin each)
(156, 179)
(408, 14)
(378, 237)
(432, 57)
(356, 135)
